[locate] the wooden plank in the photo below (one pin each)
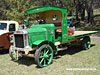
(82, 32)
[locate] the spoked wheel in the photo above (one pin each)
(86, 43)
(13, 54)
(44, 56)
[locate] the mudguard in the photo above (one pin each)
(41, 42)
(38, 42)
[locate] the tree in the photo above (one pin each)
(3, 7)
(96, 4)
(82, 9)
(16, 10)
(69, 4)
(81, 6)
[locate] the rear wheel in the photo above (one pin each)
(44, 55)
(86, 43)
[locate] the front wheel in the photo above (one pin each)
(44, 55)
(13, 54)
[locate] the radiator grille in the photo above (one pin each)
(19, 41)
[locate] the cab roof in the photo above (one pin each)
(44, 8)
(2, 21)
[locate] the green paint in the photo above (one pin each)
(25, 42)
(88, 44)
(26, 23)
(38, 42)
(14, 54)
(12, 41)
(64, 26)
(44, 8)
(40, 33)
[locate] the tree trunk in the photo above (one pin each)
(88, 13)
(91, 19)
(76, 9)
(77, 18)
(83, 14)
(89, 9)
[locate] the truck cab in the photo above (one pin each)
(53, 15)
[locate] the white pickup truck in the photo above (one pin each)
(6, 29)
(8, 26)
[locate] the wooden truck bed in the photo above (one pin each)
(80, 34)
(76, 33)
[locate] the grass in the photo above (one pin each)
(70, 58)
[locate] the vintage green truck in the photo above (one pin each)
(43, 39)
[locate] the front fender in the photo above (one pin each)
(38, 42)
(41, 42)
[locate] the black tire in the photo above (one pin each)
(86, 43)
(37, 55)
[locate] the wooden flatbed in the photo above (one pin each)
(76, 33)
(81, 34)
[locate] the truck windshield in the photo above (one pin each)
(3, 26)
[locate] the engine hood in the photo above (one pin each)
(3, 31)
(40, 28)
(31, 30)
